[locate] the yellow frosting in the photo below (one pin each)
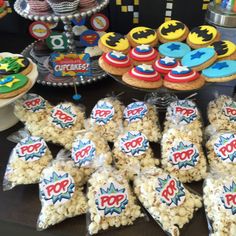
(229, 48)
(143, 35)
(205, 35)
(174, 29)
(121, 44)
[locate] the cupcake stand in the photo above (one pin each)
(8, 118)
(45, 72)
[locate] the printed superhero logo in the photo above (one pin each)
(143, 35)
(102, 113)
(31, 149)
(228, 197)
(56, 188)
(89, 38)
(184, 111)
(229, 110)
(34, 103)
(111, 199)
(170, 190)
(172, 29)
(63, 116)
(202, 34)
(134, 143)
(184, 155)
(135, 111)
(225, 148)
(83, 152)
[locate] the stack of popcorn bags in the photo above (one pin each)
(159, 184)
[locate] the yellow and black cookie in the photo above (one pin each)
(226, 50)
(13, 85)
(114, 42)
(172, 30)
(142, 35)
(202, 36)
(15, 65)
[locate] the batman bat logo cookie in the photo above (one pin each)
(113, 41)
(202, 36)
(142, 35)
(172, 30)
(224, 49)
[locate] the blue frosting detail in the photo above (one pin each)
(141, 70)
(197, 57)
(176, 72)
(140, 50)
(6, 80)
(221, 69)
(174, 49)
(164, 63)
(114, 56)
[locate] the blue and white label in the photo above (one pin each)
(102, 113)
(111, 200)
(135, 111)
(83, 152)
(31, 149)
(183, 111)
(63, 116)
(184, 155)
(170, 190)
(134, 143)
(34, 103)
(229, 110)
(56, 188)
(228, 198)
(225, 147)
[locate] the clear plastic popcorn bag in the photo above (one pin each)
(143, 117)
(111, 202)
(166, 199)
(60, 193)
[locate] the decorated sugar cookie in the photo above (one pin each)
(114, 41)
(115, 63)
(225, 50)
(221, 71)
(15, 65)
(199, 59)
(3, 9)
(172, 30)
(165, 65)
(142, 35)
(143, 54)
(143, 76)
(13, 85)
(202, 36)
(174, 49)
(183, 78)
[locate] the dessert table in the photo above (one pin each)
(20, 207)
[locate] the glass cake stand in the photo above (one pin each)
(8, 118)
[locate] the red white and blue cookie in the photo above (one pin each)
(115, 63)
(221, 71)
(165, 65)
(143, 76)
(183, 78)
(143, 54)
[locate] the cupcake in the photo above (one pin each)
(62, 6)
(143, 54)
(39, 5)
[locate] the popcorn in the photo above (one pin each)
(110, 201)
(60, 193)
(132, 153)
(184, 114)
(62, 124)
(166, 199)
(29, 157)
(222, 113)
(221, 152)
(90, 151)
(182, 156)
(220, 205)
(141, 116)
(106, 118)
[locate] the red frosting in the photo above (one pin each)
(146, 56)
(163, 69)
(122, 63)
(182, 78)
